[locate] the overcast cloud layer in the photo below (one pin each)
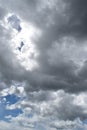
(43, 63)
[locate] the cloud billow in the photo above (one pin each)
(56, 88)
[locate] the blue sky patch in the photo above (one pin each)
(10, 99)
(14, 22)
(85, 121)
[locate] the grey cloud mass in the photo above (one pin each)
(62, 58)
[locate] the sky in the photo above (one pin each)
(43, 64)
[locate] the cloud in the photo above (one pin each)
(58, 69)
(53, 105)
(53, 88)
(7, 126)
(61, 111)
(78, 17)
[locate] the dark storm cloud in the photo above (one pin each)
(67, 20)
(62, 60)
(55, 71)
(78, 17)
(63, 73)
(56, 20)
